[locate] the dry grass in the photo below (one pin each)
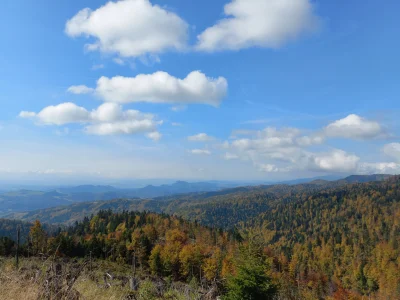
(13, 286)
(89, 290)
(33, 281)
(20, 284)
(15, 290)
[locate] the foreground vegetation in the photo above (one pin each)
(78, 279)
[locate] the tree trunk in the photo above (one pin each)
(17, 252)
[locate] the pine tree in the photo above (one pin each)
(251, 281)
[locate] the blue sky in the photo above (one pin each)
(276, 89)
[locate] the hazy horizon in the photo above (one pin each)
(39, 183)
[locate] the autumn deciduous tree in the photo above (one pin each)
(191, 260)
(175, 239)
(155, 262)
(212, 266)
(38, 237)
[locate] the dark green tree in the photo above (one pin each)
(251, 281)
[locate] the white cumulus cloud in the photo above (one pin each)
(161, 87)
(284, 150)
(272, 139)
(107, 119)
(129, 28)
(259, 23)
(59, 114)
(334, 161)
(354, 127)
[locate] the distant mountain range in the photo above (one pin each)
(150, 191)
(26, 200)
(366, 178)
(62, 209)
(87, 189)
(29, 200)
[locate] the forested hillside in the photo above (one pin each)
(351, 235)
(68, 215)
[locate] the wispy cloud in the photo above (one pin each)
(259, 121)
(97, 67)
(201, 137)
(200, 152)
(179, 108)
